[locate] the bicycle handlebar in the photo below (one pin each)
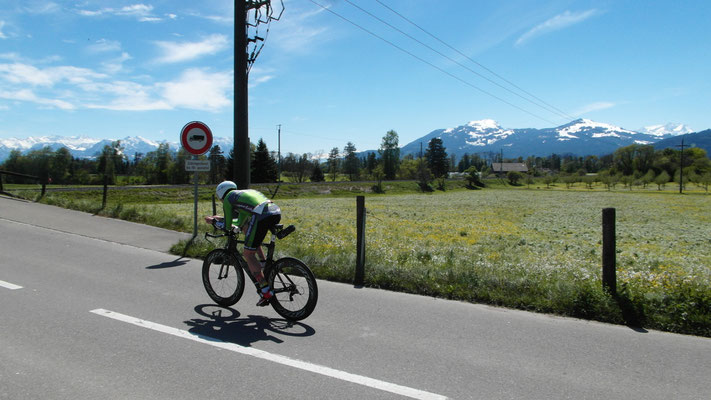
(208, 234)
(278, 230)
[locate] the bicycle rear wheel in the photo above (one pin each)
(222, 277)
(295, 290)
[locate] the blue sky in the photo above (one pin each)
(111, 69)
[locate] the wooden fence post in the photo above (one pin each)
(106, 189)
(360, 241)
(609, 275)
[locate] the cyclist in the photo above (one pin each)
(252, 213)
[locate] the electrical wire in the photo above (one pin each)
(559, 111)
(257, 7)
(431, 64)
(549, 109)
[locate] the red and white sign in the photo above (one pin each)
(196, 138)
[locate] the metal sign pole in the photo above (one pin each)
(196, 139)
(196, 202)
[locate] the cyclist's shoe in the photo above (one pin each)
(267, 295)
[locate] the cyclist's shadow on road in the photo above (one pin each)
(226, 325)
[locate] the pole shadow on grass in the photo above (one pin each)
(189, 243)
(632, 314)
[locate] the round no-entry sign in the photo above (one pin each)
(196, 138)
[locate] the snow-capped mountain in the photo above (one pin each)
(580, 137)
(86, 147)
(667, 129)
(73, 143)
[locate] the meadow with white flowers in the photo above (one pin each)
(530, 249)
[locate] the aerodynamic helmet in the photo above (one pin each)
(225, 187)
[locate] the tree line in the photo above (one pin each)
(634, 164)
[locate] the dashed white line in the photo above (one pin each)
(11, 286)
(306, 366)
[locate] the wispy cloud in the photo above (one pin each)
(115, 65)
(196, 89)
(104, 45)
(199, 90)
(125, 96)
(19, 73)
(41, 7)
(29, 96)
(174, 52)
(297, 33)
(9, 56)
(142, 12)
(560, 21)
(259, 75)
(597, 106)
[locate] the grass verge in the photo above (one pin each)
(535, 250)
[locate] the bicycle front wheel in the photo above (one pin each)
(295, 290)
(222, 277)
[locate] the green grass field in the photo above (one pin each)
(531, 249)
(534, 250)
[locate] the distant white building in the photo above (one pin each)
(503, 168)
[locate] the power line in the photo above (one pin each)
(290, 132)
(563, 113)
(431, 64)
(543, 106)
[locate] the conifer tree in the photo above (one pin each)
(436, 157)
(317, 173)
(390, 154)
(264, 167)
(351, 164)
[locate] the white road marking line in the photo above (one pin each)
(306, 366)
(8, 285)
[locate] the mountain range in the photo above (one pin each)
(86, 147)
(580, 137)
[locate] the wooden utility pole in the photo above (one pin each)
(360, 242)
(609, 252)
(681, 166)
(279, 154)
(243, 61)
(240, 162)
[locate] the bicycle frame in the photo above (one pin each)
(231, 247)
(292, 282)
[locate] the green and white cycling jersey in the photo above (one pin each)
(251, 211)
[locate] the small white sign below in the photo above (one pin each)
(197, 165)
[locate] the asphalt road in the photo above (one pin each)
(95, 308)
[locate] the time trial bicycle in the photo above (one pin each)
(293, 283)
